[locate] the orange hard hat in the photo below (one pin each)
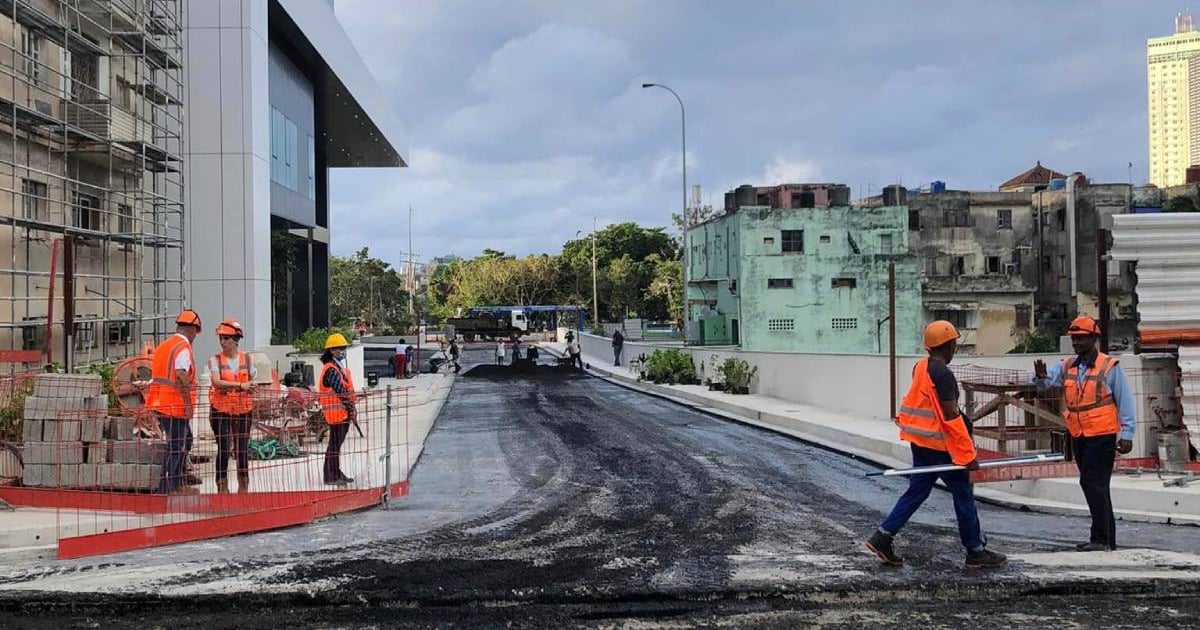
(1083, 326)
(940, 332)
(188, 317)
(230, 328)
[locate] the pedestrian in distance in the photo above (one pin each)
(410, 360)
(231, 401)
(618, 341)
(336, 391)
(454, 354)
(574, 351)
(1100, 414)
(931, 422)
(171, 397)
(500, 352)
(400, 359)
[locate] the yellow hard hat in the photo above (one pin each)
(336, 340)
(939, 332)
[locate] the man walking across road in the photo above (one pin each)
(932, 424)
(454, 353)
(1100, 414)
(618, 341)
(574, 351)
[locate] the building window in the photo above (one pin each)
(120, 332)
(85, 335)
(844, 283)
(124, 219)
(1060, 216)
(1004, 219)
(824, 238)
(956, 218)
(31, 52)
(278, 137)
(33, 201)
(781, 325)
(1023, 314)
(768, 240)
(291, 153)
(958, 318)
(931, 266)
(993, 264)
(780, 283)
(844, 323)
(960, 266)
(312, 169)
(914, 219)
(885, 243)
(33, 337)
(85, 211)
(1046, 265)
(1062, 265)
(792, 241)
(123, 97)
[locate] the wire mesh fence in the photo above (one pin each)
(121, 477)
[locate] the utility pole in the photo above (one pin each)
(595, 298)
(411, 297)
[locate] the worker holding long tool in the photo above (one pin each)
(1100, 414)
(930, 421)
(336, 389)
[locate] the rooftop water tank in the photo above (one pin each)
(839, 196)
(938, 187)
(1058, 184)
(894, 195)
(808, 198)
(744, 195)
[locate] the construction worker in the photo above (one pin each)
(336, 389)
(171, 397)
(454, 355)
(1100, 414)
(930, 421)
(232, 404)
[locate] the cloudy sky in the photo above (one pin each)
(526, 119)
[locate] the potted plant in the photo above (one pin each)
(737, 375)
(715, 385)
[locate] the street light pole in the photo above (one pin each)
(686, 219)
(595, 299)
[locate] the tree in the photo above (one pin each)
(1182, 204)
(367, 289)
(666, 286)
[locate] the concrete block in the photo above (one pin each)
(68, 476)
(53, 453)
(97, 452)
(120, 428)
(92, 429)
(43, 408)
(139, 452)
(88, 475)
(97, 403)
(31, 430)
(35, 475)
(107, 475)
(62, 431)
(37, 453)
(67, 385)
(144, 476)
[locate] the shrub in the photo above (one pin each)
(312, 341)
(670, 366)
(12, 408)
(737, 374)
(106, 371)
(1036, 343)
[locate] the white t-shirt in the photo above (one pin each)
(400, 348)
(214, 369)
(183, 360)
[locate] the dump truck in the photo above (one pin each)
(490, 323)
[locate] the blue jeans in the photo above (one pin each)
(919, 487)
(178, 434)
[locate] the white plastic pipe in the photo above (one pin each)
(991, 463)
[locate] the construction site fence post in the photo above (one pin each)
(387, 453)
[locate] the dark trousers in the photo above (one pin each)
(333, 452)
(177, 433)
(577, 360)
(616, 355)
(1095, 457)
(919, 487)
(233, 436)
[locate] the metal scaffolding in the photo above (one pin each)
(91, 139)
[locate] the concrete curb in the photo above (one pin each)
(884, 453)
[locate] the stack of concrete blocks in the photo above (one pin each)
(66, 426)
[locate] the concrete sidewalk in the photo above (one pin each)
(34, 532)
(1135, 498)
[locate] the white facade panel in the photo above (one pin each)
(1166, 247)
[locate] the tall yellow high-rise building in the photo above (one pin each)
(1173, 91)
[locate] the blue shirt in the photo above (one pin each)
(1116, 383)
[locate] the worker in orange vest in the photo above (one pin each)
(171, 397)
(1100, 413)
(232, 404)
(930, 421)
(336, 390)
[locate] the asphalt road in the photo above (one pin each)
(552, 499)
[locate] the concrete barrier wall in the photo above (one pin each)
(847, 383)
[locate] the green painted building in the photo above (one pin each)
(804, 279)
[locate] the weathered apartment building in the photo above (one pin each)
(91, 123)
(807, 279)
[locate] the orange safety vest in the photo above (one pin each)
(232, 401)
(332, 402)
(921, 420)
(163, 397)
(1089, 407)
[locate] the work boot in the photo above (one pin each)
(243, 483)
(985, 559)
(193, 480)
(880, 544)
(1092, 546)
(222, 486)
(185, 490)
(346, 479)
